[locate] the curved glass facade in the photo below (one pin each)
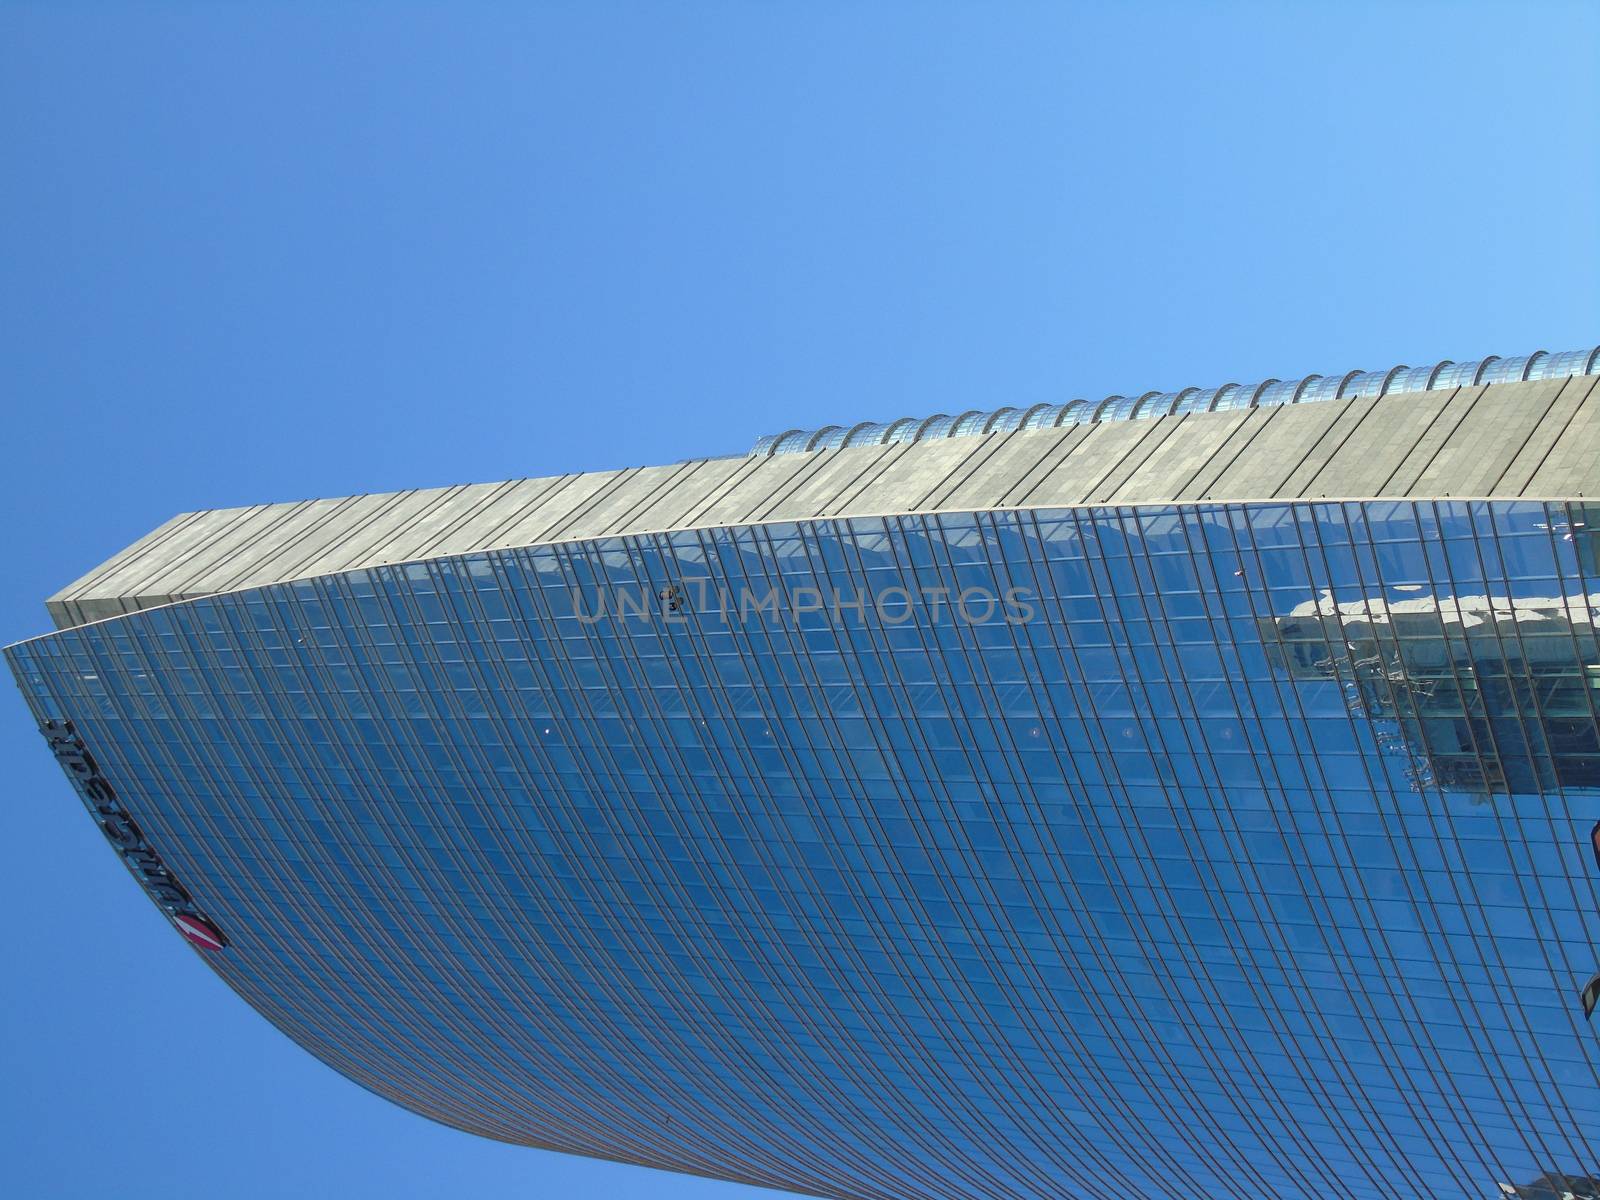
(1307, 390)
(1203, 850)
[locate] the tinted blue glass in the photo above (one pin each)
(829, 437)
(1003, 420)
(1508, 370)
(1040, 416)
(1160, 404)
(902, 430)
(1314, 390)
(1462, 374)
(1075, 413)
(1195, 400)
(867, 433)
(1369, 383)
(1118, 408)
(1234, 396)
(1278, 392)
(1198, 850)
(969, 423)
(1416, 379)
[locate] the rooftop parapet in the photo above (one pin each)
(1309, 389)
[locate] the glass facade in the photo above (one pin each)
(1202, 850)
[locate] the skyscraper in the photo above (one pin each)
(1187, 794)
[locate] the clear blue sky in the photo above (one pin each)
(254, 253)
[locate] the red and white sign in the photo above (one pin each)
(199, 931)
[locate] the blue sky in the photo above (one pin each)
(254, 253)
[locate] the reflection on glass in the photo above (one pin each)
(1494, 694)
(1123, 899)
(1556, 1187)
